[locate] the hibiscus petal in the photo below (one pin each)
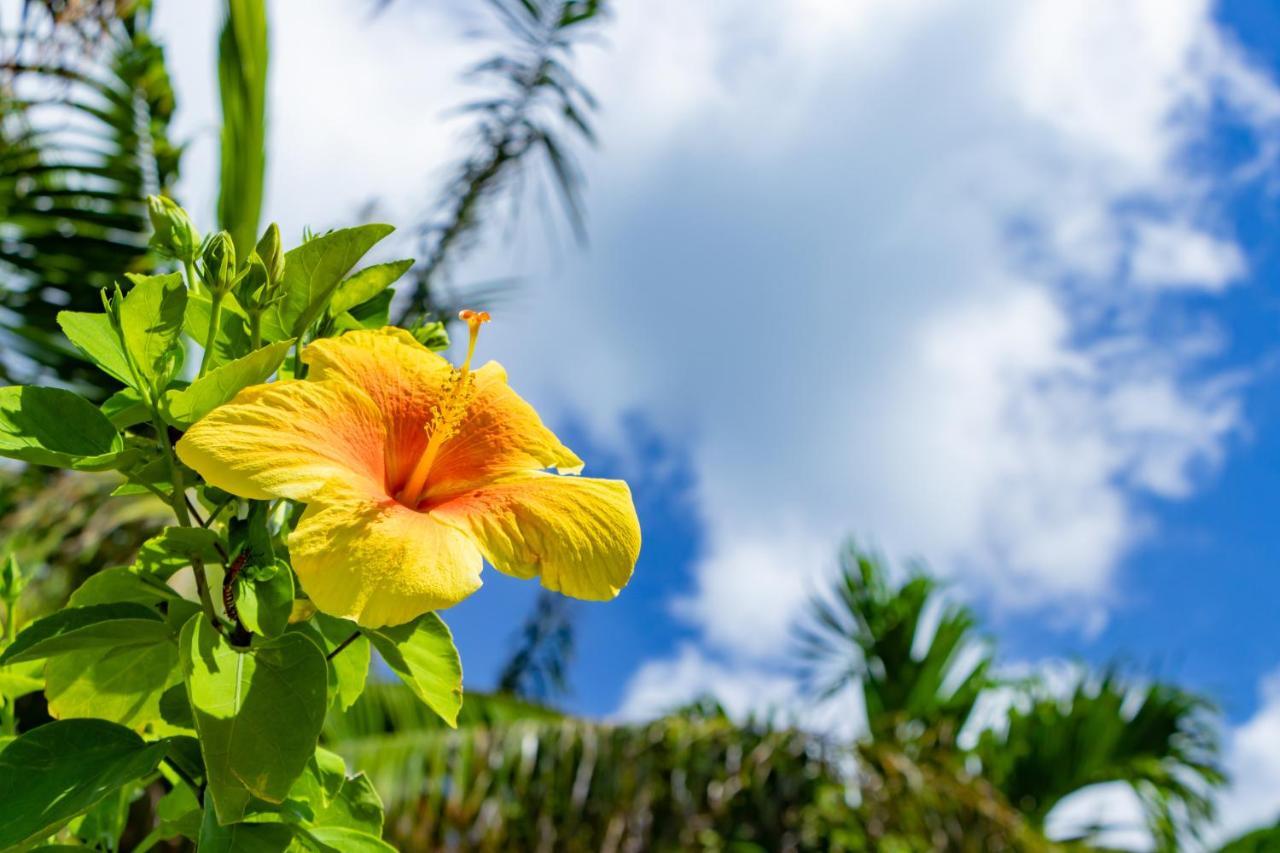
(289, 440)
(379, 563)
(581, 535)
(500, 435)
(404, 379)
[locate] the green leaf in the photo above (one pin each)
(242, 84)
(102, 825)
(120, 583)
(264, 605)
(373, 314)
(219, 385)
(49, 426)
(422, 653)
(151, 318)
(72, 628)
(350, 666)
(356, 806)
(233, 340)
(240, 837)
(258, 712)
(126, 408)
(58, 770)
(312, 272)
(362, 286)
(94, 336)
(174, 548)
(123, 685)
(19, 679)
(341, 839)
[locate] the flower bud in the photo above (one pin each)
(272, 254)
(220, 262)
(175, 235)
(11, 580)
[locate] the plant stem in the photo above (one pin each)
(8, 715)
(185, 777)
(178, 500)
(348, 641)
(215, 318)
(255, 330)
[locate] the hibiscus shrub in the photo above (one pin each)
(320, 516)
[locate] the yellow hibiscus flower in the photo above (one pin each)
(411, 470)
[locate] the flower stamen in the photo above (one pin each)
(445, 417)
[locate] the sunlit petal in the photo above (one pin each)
(581, 536)
(404, 379)
(501, 435)
(289, 440)
(379, 563)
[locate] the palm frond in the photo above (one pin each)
(83, 141)
(537, 112)
(868, 633)
(1157, 739)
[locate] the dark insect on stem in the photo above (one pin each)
(241, 635)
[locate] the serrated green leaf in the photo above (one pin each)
(59, 770)
(94, 336)
(121, 624)
(151, 318)
(422, 653)
(312, 272)
(258, 712)
(50, 426)
(264, 605)
(362, 286)
(219, 385)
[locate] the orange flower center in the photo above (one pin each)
(446, 416)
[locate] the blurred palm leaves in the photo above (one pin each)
(242, 84)
(922, 671)
(1157, 739)
(83, 140)
(537, 111)
(914, 676)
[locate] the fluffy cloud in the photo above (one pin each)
(901, 270)
(1253, 763)
(889, 268)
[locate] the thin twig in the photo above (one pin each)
(348, 641)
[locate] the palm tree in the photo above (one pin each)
(920, 688)
(870, 633)
(1157, 739)
(85, 103)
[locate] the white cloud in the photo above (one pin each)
(875, 266)
(1253, 763)
(659, 687)
(1175, 255)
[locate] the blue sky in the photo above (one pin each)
(988, 283)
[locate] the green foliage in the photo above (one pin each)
(312, 273)
(185, 406)
(113, 625)
(421, 652)
(52, 774)
(1155, 738)
(258, 712)
(83, 141)
(242, 84)
(50, 426)
(868, 634)
(500, 782)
